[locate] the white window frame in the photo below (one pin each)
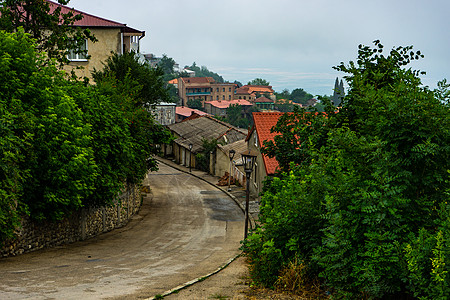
(78, 56)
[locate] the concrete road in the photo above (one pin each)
(188, 229)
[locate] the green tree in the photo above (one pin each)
(259, 81)
(151, 84)
(300, 96)
(204, 72)
(235, 116)
(195, 103)
(134, 88)
(166, 64)
(53, 30)
(364, 198)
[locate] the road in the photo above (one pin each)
(188, 229)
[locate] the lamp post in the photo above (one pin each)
(248, 158)
(190, 156)
(231, 155)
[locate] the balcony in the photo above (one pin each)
(198, 94)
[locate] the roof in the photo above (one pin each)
(226, 104)
(263, 123)
(263, 100)
(173, 81)
(91, 20)
(238, 146)
(197, 80)
(194, 131)
(186, 111)
(251, 89)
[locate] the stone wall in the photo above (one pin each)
(81, 225)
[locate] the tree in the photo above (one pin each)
(363, 201)
(166, 64)
(53, 30)
(195, 103)
(235, 117)
(338, 92)
(152, 86)
(300, 96)
(259, 81)
(204, 72)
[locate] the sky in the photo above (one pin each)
(290, 43)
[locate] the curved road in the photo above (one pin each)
(187, 230)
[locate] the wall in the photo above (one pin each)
(82, 225)
(108, 40)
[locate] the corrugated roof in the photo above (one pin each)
(263, 100)
(195, 130)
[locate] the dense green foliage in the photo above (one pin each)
(259, 81)
(204, 72)
(363, 199)
(236, 117)
(66, 145)
(195, 103)
(51, 29)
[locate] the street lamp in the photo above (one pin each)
(231, 154)
(248, 159)
(190, 156)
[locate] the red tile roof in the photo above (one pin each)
(251, 89)
(263, 100)
(226, 104)
(91, 20)
(186, 111)
(263, 123)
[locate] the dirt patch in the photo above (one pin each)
(233, 282)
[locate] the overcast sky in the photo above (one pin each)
(290, 43)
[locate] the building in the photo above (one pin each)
(184, 112)
(219, 108)
(263, 103)
(260, 132)
(165, 113)
(220, 162)
(252, 92)
(111, 36)
(197, 130)
(205, 89)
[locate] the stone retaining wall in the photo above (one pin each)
(84, 224)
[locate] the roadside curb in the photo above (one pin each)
(194, 281)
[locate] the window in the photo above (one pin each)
(229, 89)
(223, 90)
(229, 97)
(73, 56)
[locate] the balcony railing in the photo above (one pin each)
(198, 94)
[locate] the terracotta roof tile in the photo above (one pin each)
(227, 103)
(263, 123)
(197, 79)
(186, 111)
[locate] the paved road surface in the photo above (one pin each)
(187, 230)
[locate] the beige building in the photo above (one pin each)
(205, 89)
(111, 37)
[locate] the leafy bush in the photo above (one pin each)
(363, 197)
(66, 145)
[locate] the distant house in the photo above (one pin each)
(165, 113)
(195, 131)
(251, 92)
(219, 108)
(184, 112)
(111, 37)
(205, 89)
(263, 103)
(260, 132)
